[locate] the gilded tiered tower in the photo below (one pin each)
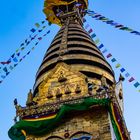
(75, 95)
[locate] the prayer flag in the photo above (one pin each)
(28, 43)
(102, 17)
(8, 62)
(101, 46)
(43, 22)
(40, 38)
(23, 56)
(110, 22)
(20, 60)
(3, 77)
(97, 41)
(43, 27)
(22, 44)
(90, 31)
(86, 26)
(33, 30)
(109, 55)
(49, 23)
(15, 59)
(114, 24)
(18, 54)
(119, 26)
(136, 84)
(113, 60)
(11, 67)
(127, 74)
(32, 38)
(122, 70)
(96, 16)
(7, 73)
(17, 50)
(104, 51)
(36, 43)
(93, 35)
(13, 55)
(28, 53)
(137, 33)
(22, 48)
(37, 25)
(15, 65)
(26, 40)
(39, 30)
(131, 79)
(117, 65)
(48, 32)
(5, 69)
(3, 63)
(126, 28)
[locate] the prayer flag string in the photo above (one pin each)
(39, 27)
(5, 71)
(109, 55)
(117, 25)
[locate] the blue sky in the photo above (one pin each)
(16, 20)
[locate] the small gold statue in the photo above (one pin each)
(29, 101)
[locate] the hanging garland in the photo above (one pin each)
(44, 125)
(17, 59)
(111, 22)
(109, 55)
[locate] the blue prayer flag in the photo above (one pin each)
(113, 60)
(122, 70)
(104, 51)
(136, 84)
(33, 30)
(11, 67)
(127, 74)
(13, 55)
(101, 46)
(48, 32)
(3, 77)
(39, 30)
(43, 22)
(15, 59)
(93, 35)
(5, 69)
(28, 52)
(15, 65)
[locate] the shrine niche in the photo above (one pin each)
(60, 83)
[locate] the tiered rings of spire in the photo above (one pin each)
(73, 46)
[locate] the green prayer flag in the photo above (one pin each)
(118, 65)
(37, 25)
(97, 41)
